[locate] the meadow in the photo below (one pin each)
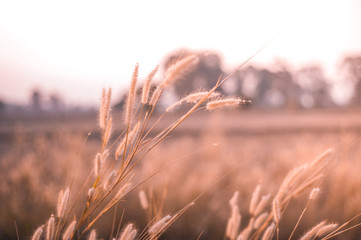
(198, 174)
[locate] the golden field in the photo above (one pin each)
(213, 169)
(210, 155)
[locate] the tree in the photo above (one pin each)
(203, 76)
(352, 67)
(36, 100)
(315, 87)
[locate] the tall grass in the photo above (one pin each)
(113, 172)
(118, 172)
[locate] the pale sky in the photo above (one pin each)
(75, 48)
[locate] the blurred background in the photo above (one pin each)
(56, 56)
(305, 87)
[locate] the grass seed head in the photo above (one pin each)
(143, 199)
(177, 69)
(61, 207)
(146, 86)
(122, 191)
(131, 96)
(104, 112)
(108, 131)
(262, 204)
(269, 231)
(91, 193)
(194, 97)
(128, 233)
(92, 235)
(98, 164)
(38, 233)
(254, 199)
(109, 180)
(234, 199)
(276, 211)
(69, 231)
(326, 230)
(227, 102)
(127, 140)
(156, 95)
(157, 227)
(313, 231)
(322, 158)
(260, 220)
(50, 228)
(234, 223)
(314, 193)
(247, 231)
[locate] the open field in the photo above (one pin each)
(219, 153)
(233, 122)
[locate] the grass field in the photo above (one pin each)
(209, 171)
(211, 154)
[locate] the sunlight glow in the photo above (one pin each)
(69, 45)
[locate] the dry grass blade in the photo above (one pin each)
(228, 102)
(109, 180)
(168, 222)
(128, 233)
(276, 211)
(131, 96)
(38, 233)
(338, 231)
(262, 204)
(302, 177)
(254, 200)
(245, 233)
(192, 98)
(299, 219)
(92, 235)
(260, 220)
(105, 108)
(98, 164)
(297, 181)
(146, 86)
(123, 190)
(234, 221)
(155, 229)
(143, 199)
(313, 231)
(268, 233)
(62, 202)
(314, 193)
(326, 229)
(233, 201)
(107, 133)
(177, 69)
(68, 234)
(126, 140)
(156, 95)
(50, 228)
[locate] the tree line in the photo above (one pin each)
(278, 87)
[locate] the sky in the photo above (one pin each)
(74, 48)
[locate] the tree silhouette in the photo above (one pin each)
(352, 66)
(203, 76)
(266, 88)
(36, 100)
(315, 87)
